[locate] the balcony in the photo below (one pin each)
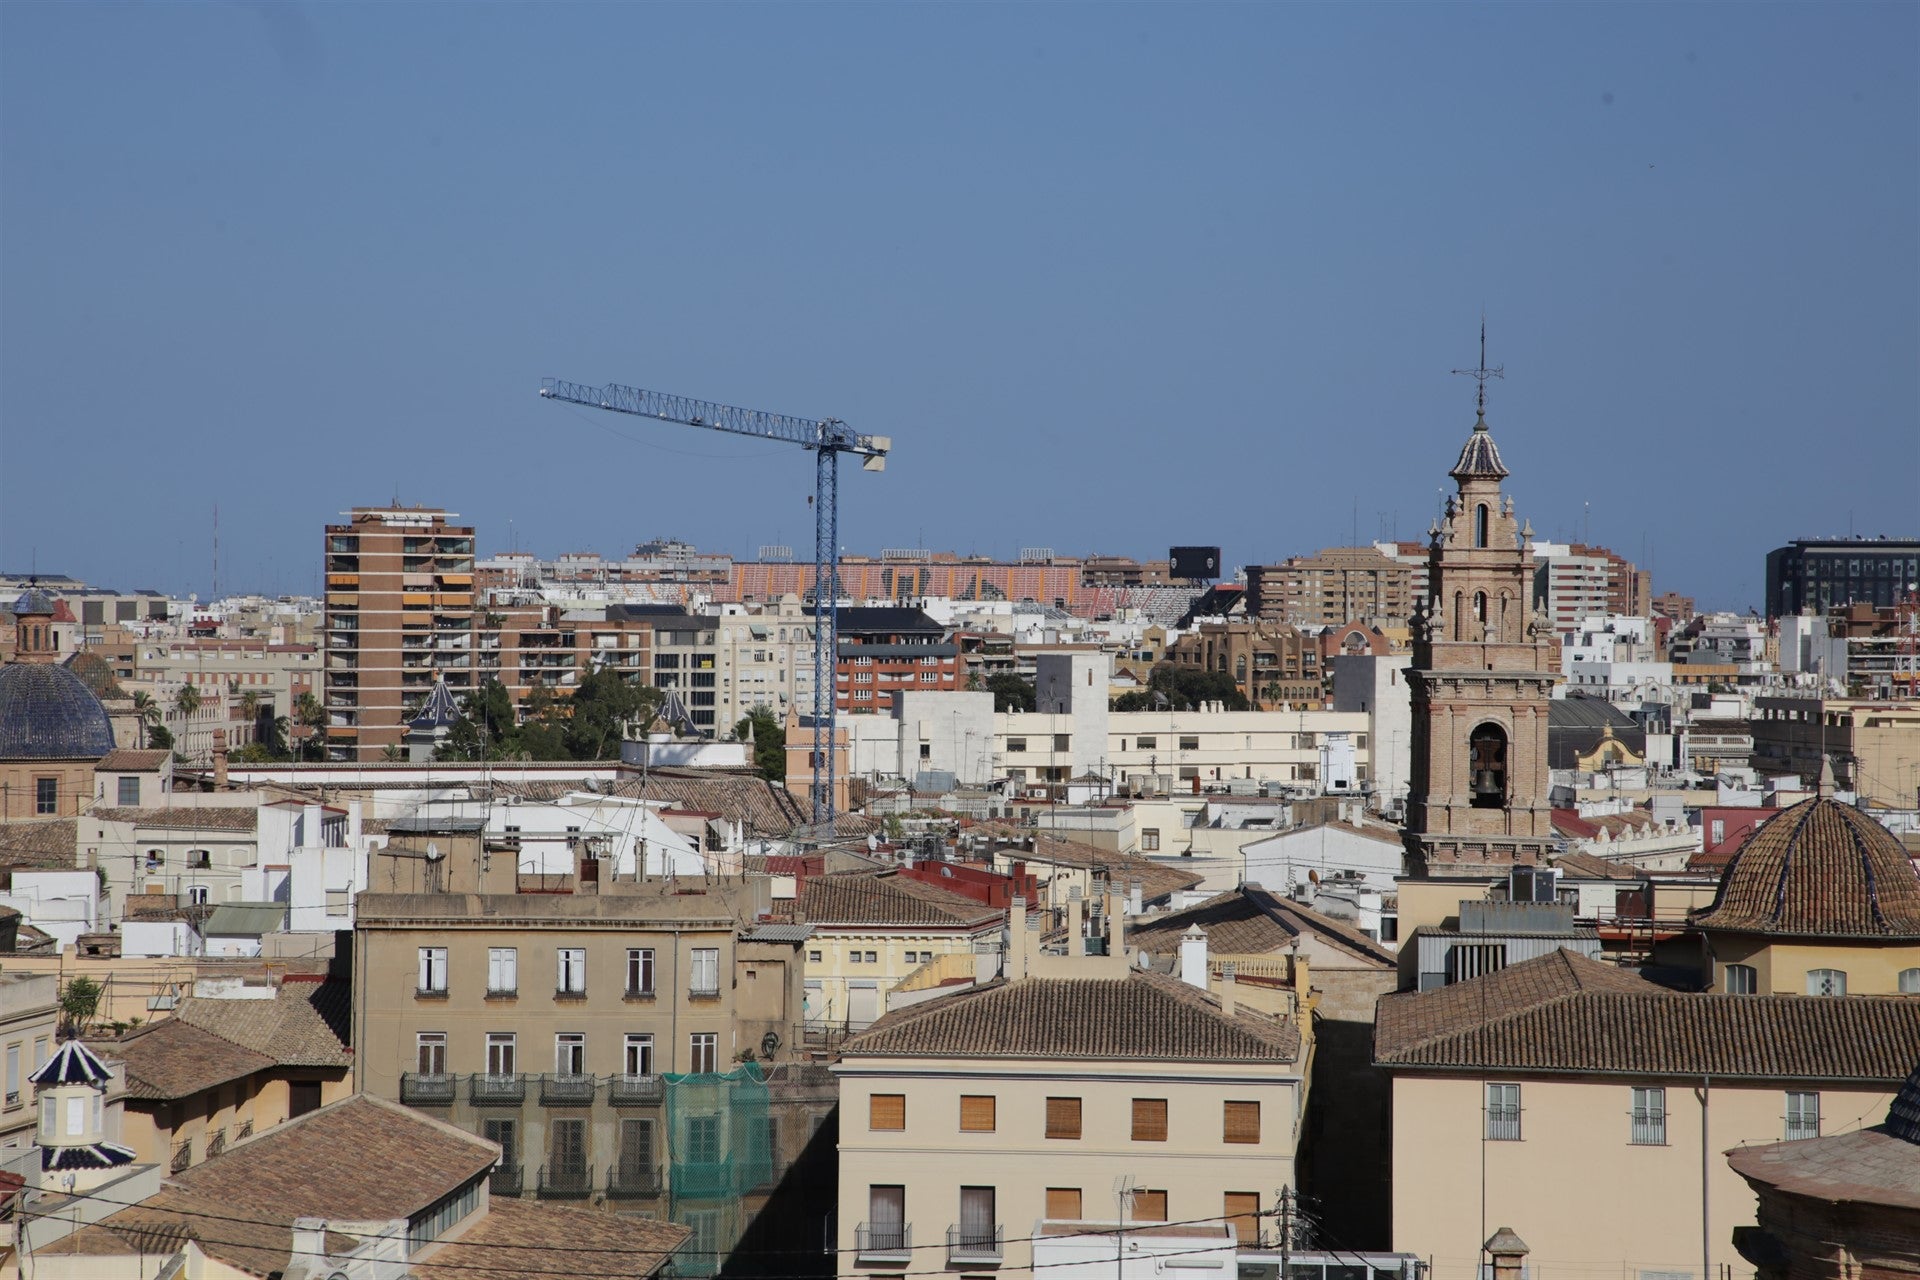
(624, 1183)
(497, 1090)
(883, 1242)
(637, 1091)
(435, 1090)
(506, 1180)
(566, 1091)
(703, 991)
(975, 1244)
(565, 1183)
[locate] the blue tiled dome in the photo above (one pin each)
(48, 713)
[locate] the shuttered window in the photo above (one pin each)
(1242, 1122)
(1243, 1215)
(1149, 1206)
(1063, 1204)
(1063, 1117)
(887, 1111)
(976, 1113)
(1149, 1119)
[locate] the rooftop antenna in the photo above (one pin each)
(216, 551)
(1480, 376)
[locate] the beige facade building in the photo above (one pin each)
(1587, 1109)
(1341, 584)
(870, 931)
(1874, 746)
(969, 1120)
(1273, 664)
(29, 1021)
(1483, 669)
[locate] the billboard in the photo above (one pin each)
(1198, 563)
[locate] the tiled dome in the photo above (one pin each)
(1479, 457)
(1821, 868)
(48, 713)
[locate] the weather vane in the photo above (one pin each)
(1481, 374)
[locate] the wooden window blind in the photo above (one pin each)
(1149, 1119)
(1063, 1204)
(1242, 1122)
(887, 1111)
(1243, 1215)
(1149, 1206)
(1063, 1117)
(976, 1113)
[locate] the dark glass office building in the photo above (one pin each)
(1820, 573)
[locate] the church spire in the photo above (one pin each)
(1480, 458)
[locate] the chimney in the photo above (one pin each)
(309, 825)
(1134, 905)
(1226, 988)
(1193, 957)
(310, 1245)
(1508, 1252)
(1076, 922)
(1116, 935)
(1017, 938)
(354, 826)
(219, 759)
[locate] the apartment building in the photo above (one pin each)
(276, 675)
(29, 1022)
(1077, 1088)
(399, 614)
(869, 931)
(1340, 584)
(534, 647)
(884, 651)
(1563, 1070)
(1274, 665)
(1578, 581)
(1873, 746)
(1821, 573)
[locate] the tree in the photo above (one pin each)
(148, 715)
(79, 1004)
(187, 701)
(159, 738)
(604, 705)
(392, 754)
(1183, 689)
(769, 742)
(311, 716)
(1011, 693)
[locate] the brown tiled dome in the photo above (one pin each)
(1821, 868)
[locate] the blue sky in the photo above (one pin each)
(1111, 276)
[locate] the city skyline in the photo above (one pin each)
(1247, 247)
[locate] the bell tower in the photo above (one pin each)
(1483, 671)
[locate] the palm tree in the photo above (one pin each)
(392, 754)
(147, 713)
(187, 701)
(309, 714)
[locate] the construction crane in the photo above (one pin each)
(828, 438)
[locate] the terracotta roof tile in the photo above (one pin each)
(887, 899)
(128, 760)
(1251, 921)
(1157, 879)
(1564, 1012)
(1143, 1015)
(519, 1235)
(304, 1025)
(1575, 865)
(172, 1059)
(184, 817)
(1870, 1167)
(1819, 868)
(46, 844)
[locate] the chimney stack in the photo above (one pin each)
(1017, 938)
(1076, 922)
(219, 759)
(1509, 1253)
(1134, 902)
(1226, 988)
(1193, 957)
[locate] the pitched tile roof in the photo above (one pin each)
(887, 898)
(766, 808)
(1820, 868)
(1877, 1166)
(359, 1159)
(47, 844)
(304, 1025)
(1143, 1015)
(519, 1235)
(1251, 921)
(1574, 865)
(172, 1059)
(1566, 1013)
(128, 760)
(1157, 879)
(184, 817)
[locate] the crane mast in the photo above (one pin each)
(828, 438)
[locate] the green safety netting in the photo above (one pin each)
(717, 1152)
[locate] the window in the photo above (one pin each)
(1063, 742)
(636, 1054)
(1910, 982)
(1063, 1117)
(1803, 1116)
(1149, 839)
(1149, 1206)
(706, 972)
(1503, 1112)
(977, 1112)
(853, 957)
(873, 957)
(1190, 742)
(49, 1116)
(978, 1225)
(503, 971)
(46, 795)
(127, 791)
(1063, 1204)
(1240, 1122)
(887, 1112)
(1149, 1119)
(199, 860)
(567, 1146)
(76, 1117)
(433, 970)
(40, 1050)
(507, 1134)
(1649, 1118)
(572, 979)
(639, 971)
(1826, 982)
(1013, 744)
(636, 1146)
(13, 1075)
(813, 957)
(430, 1053)
(1146, 744)
(500, 1045)
(886, 1219)
(1742, 979)
(197, 896)
(570, 1054)
(1488, 751)
(1242, 1212)
(1480, 525)
(703, 1048)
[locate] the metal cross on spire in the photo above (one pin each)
(1481, 374)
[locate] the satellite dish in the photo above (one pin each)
(433, 852)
